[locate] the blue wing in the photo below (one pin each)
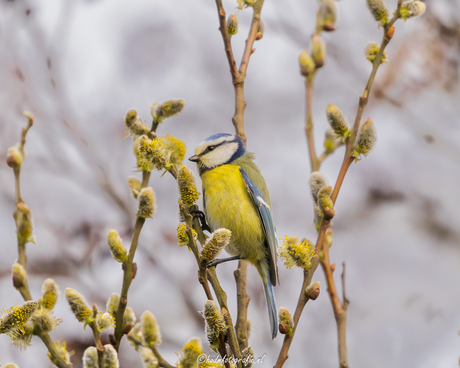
(265, 215)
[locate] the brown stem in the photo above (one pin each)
(243, 299)
(301, 302)
(127, 279)
(222, 299)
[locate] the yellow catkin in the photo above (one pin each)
(187, 186)
(306, 63)
(147, 203)
(214, 325)
(218, 241)
(150, 329)
(116, 246)
(232, 24)
(77, 304)
(296, 253)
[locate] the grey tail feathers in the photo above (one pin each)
(271, 304)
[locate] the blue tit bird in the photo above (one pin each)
(236, 197)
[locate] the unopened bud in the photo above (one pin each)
(116, 246)
(218, 241)
(90, 359)
(147, 203)
(317, 182)
(312, 291)
(112, 304)
(411, 9)
(19, 274)
(77, 304)
(325, 203)
(187, 187)
(150, 329)
(260, 30)
(307, 65)
(286, 322)
(318, 51)
(23, 218)
(329, 141)
(169, 108)
(149, 359)
(15, 156)
(129, 317)
(232, 24)
(371, 50)
(337, 121)
(135, 336)
(367, 136)
(214, 323)
(327, 14)
(135, 185)
(379, 10)
(131, 116)
(50, 294)
(109, 357)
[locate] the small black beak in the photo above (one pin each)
(194, 158)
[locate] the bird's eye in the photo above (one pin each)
(211, 148)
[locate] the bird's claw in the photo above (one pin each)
(200, 216)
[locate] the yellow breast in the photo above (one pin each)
(228, 205)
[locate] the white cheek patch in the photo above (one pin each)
(220, 155)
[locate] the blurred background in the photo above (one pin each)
(78, 66)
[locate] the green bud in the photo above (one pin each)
(90, 359)
(379, 10)
(50, 294)
(150, 329)
(135, 185)
(318, 51)
(329, 141)
(214, 323)
(149, 359)
(168, 109)
(129, 317)
(136, 127)
(218, 241)
(176, 149)
(19, 276)
(307, 65)
(411, 9)
(116, 246)
(337, 121)
(78, 305)
(367, 136)
(135, 336)
(324, 199)
(146, 203)
(286, 322)
(327, 15)
(317, 182)
(371, 50)
(24, 228)
(232, 24)
(187, 187)
(112, 304)
(109, 357)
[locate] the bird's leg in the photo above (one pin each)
(222, 260)
(200, 215)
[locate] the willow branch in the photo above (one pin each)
(241, 327)
(222, 299)
(162, 361)
(301, 302)
(314, 162)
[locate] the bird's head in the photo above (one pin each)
(218, 149)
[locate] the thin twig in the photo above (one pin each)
(314, 162)
(162, 361)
